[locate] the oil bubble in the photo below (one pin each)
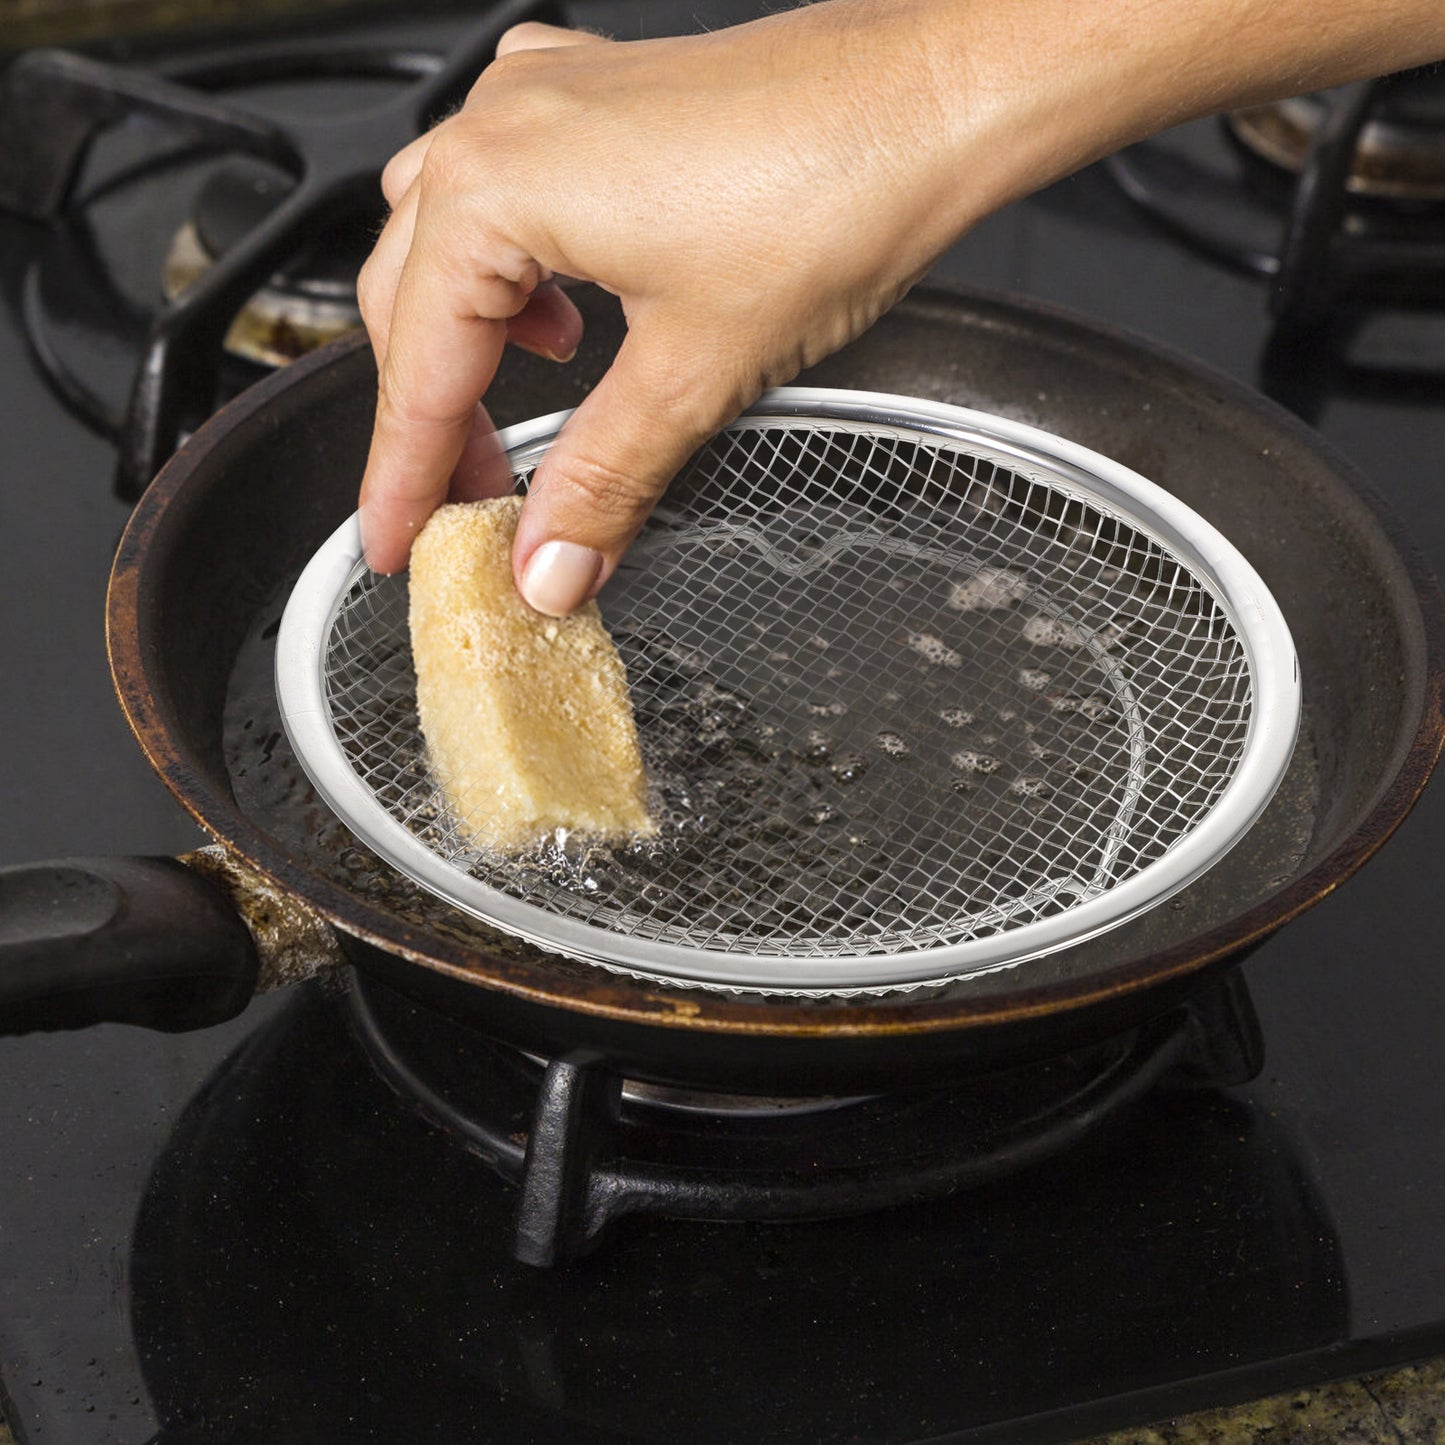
(975, 762)
(987, 589)
(816, 748)
(933, 650)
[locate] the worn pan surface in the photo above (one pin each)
(205, 565)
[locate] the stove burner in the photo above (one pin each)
(312, 301)
(323, 178)
(586, 1147)
(1344, 208)
(311, 1260)
(1400, 150)
(710, 1103)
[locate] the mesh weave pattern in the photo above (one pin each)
(892, 695)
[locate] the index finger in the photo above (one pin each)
(445, 342)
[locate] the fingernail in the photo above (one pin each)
(561, 355)
(558, 577)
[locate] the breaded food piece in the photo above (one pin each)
(527, 718)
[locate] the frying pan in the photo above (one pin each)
(205, 565)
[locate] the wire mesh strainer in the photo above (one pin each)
(921, 693)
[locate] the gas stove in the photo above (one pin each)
(301, 1224)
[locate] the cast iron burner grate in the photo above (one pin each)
(1338, 195)
(301, 186)
(586, 1147)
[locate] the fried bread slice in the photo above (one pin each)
(527, 719)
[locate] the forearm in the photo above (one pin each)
(757, 197)
(1055, 84)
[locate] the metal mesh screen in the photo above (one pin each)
(892, 695)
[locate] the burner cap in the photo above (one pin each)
(311, 301)
(239, 195)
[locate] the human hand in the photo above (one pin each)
(729, 188)
(755, 197)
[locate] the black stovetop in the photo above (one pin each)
(242, 1234)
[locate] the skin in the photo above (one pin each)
(756, 197)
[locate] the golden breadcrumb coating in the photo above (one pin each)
(527, 719)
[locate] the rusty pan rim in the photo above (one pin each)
(575, 989)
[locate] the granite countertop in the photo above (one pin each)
(1402, 1407)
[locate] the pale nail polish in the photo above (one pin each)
(559, 576)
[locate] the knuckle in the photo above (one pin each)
(394, 177)
(517, 54)
(521, 95)
(371, 291)
(694, 396)
(503, 81)
(473, 165)
(610, 492)
(450, 166)
(443, 167)
(516, 269)
(517, 38)
(405, 407)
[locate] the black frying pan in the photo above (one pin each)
(203, 570)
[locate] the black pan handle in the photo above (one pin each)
(122, 940)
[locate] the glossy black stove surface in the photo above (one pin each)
(242, 1234)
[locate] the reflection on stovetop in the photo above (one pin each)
(247, 1234)
(366, 1256)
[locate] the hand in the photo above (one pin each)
(755, 197)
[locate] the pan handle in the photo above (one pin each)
(145, 941)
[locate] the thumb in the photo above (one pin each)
(601, 478)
